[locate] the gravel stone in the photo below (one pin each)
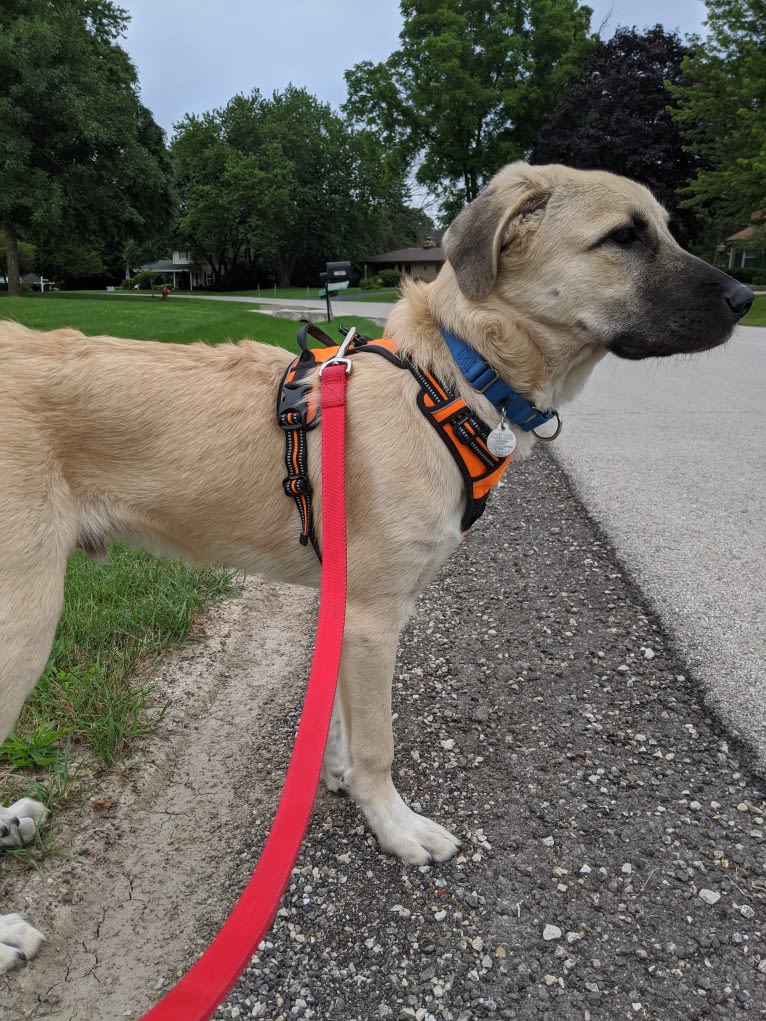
(710, 896)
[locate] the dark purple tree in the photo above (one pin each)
(615, 117)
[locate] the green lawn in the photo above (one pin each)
(757, 314)
(181, 320)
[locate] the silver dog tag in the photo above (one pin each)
(502, 440)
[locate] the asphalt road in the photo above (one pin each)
(669, 457)
(550, 709)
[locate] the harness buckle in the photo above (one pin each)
(297, 485)
(491, 382)
(291, 420)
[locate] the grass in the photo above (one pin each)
(757, 314)
(182, 321)
(95, 697)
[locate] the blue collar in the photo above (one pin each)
(484, 379)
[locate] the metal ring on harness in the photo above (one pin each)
(551, 438)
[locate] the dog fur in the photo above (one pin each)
(176, 448)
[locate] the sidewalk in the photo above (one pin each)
(374, 310)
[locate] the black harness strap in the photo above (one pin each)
(292, 416)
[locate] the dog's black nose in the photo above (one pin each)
(739, 299)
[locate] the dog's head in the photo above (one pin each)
(590, 253)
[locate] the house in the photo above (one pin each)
(186, 274)
(747, 248)
(419, 263)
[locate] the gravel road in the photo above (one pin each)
(613, 862)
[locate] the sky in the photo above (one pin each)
(195, 55)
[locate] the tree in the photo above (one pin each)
(81, 159)
(617, 116)
(284, 183)
(468, 87)
(721, 110)
(26, 254)
(211, 224)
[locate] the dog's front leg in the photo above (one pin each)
(366, 679)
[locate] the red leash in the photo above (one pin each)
(207, 983)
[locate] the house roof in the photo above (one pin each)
(420, 254)
(742, 235)
(747, 232)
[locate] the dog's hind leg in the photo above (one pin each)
(366, 679)
(336, 765)
(31, 598)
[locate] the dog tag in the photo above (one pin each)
(502, 440)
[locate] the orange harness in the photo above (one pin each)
(462, 431)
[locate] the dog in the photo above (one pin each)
(177, 449)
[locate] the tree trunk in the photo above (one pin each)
(285, 267)
(12, 261)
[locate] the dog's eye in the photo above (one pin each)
(624, 236)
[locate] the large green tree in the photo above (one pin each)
(281, 182)
(722, 112)
(469, 85)
(83, 165)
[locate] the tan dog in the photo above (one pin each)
(177, 448)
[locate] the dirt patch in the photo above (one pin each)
(143, 876)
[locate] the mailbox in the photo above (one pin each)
(338, 271)
(336, 277)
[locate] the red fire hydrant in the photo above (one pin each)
(165, 292)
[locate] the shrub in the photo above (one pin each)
(742, 273)
(389, 277)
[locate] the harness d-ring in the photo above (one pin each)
(552, 437)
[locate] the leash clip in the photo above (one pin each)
(338, 359)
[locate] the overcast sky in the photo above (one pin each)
(193, 56)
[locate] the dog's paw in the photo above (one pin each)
(20, 821)
(414, 838)
(19, 942)
(336, 783)
(336, 764)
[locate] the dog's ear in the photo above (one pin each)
(494, 220)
